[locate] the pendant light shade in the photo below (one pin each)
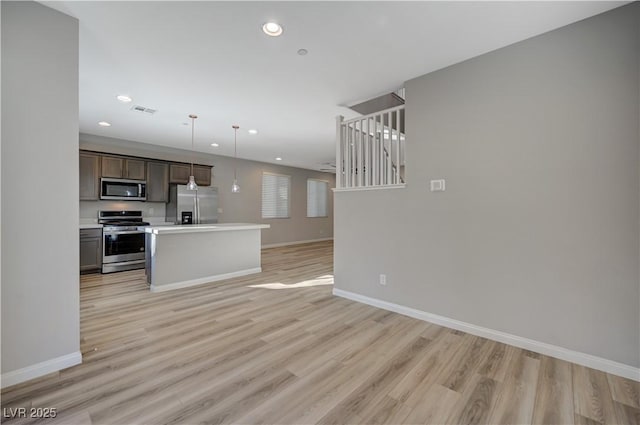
(235, 188)
(192, 184)
(192, 180)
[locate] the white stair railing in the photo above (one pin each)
(370, 150)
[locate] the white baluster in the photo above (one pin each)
(389, 163)
(398, 133)
(339, 149)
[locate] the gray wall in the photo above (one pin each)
(538, 232)
(245, 206)
(40, 289)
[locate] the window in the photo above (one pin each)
(317, 191)
(275, 195)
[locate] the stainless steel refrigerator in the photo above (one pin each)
(192, 206)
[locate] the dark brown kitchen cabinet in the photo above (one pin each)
(179, 173)
(157, 181)
(89, 177)
(202, 174)
(134, 169)
(157, 173)
(123, 168)
(90, 250)
(112, 167)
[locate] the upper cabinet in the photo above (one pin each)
(89, 177)
(157, 173)
(123, 168)
(134, 169)
(157, 181)
(179, 173)
(112, 167)
(202, 174)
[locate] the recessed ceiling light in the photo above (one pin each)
(302, 52)
(272, 29)
(253, 131)
(104, 124)
(215, 145)
(278, 159)
(124, 99)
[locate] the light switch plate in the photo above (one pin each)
(437, 185)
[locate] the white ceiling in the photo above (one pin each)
(212, 59)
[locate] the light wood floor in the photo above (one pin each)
(279, 348)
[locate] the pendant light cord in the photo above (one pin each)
(193, 124)
(235, 152)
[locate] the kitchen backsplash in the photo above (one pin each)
(153, 210)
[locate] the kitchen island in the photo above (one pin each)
(186, 255)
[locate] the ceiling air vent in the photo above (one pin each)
(328, 167)
(143, 109)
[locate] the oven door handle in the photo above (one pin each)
(126, 232)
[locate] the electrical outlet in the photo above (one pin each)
(437, 185)
(383, 279)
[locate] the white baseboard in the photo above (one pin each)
(608, 366)
(203, 280)
(40, 369)
(275, 245)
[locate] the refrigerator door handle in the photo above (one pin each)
(198, 209)
(195, 210)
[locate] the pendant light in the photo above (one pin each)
(192, 180)
(235, 188)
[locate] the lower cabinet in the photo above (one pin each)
(90, 250)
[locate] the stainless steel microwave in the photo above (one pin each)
(123, 190)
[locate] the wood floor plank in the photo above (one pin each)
(388, 411)
(370, 393)
(497, 362)
(278, 347)
(435, 405)
(516, 399)
(581, 420)
(626, 415)
(310, 393)
(624, 391)
(474, 406)
(591, 395)
(554, 397)
(464, 366)
(412, 388)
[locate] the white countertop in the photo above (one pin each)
(199, 228)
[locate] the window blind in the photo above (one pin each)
(317, 191)
(275, 195)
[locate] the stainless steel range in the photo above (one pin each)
(123, 240)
